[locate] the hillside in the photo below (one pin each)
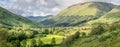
(79, 14)
(10, 19)
(90, 24)
(39, 18)
(112, 16)
(16, 31)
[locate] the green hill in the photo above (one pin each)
(38, 18)
(79, 14)
(102, 18)
(112, 16)
(10, 19)
(99, 27)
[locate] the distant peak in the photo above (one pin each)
(92, 3)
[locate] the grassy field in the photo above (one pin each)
(108, 39)
(48, 38)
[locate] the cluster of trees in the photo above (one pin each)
(53, 42)
(32, 43)
(60, 30)
(12, 36)
(101, 28)
(113, 27)
(17, 36)
(83, 34)
(97, 29)
(37, 43)
(3, 37)
(67, 41)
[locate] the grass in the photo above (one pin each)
(11, 19)
(48, 38)
(80, 10)
(100, 40)
(109, 18)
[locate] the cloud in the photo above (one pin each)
(42, 7)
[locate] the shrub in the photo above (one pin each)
(53, 42)
(67, 41)
(104, 37)
(23, 43)
(40, 43)
(33, 43)
(112, 27)
(97, 30)
(83, 34)
(46, 31)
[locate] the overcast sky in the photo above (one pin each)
(42, 7)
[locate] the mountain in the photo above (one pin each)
(79, 14)
(112, 16)
(11, 19)
(39, 18)
(90, 24)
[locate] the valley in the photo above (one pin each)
(90, 24)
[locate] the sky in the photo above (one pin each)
(42, 7)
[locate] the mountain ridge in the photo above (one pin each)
(11, 19)
(79, 14)
(39, 18)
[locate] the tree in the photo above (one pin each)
(22, 36)
(53, 42)
(77, 34)
(97, 30)
(83, 34)
(3, 38)
(3, 34)
(69, 39)
(16, 43)
(33, 43)
(40, 43)
(46, 31)
(23, 43)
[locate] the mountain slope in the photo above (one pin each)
(79, 14)
(10, 19)
(111, 17)
(39, 18)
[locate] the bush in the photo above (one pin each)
(104, 37)
(23, 43)
(97, 30)
(112, 27)
(67, 41)
(83, 34)
(33, 43)
(87, 40)
(46, 31)
(3, 38)
(53, 42)
(40, 43)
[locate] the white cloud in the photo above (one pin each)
(14, 0)
(43, 2)
(55, 9)
(42, 7)
(15, 7)
(37, 13)
(29, 1)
